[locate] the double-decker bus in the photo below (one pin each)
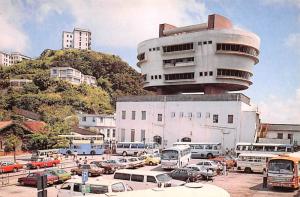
(278, 149)
(284, 171)
(203, 149)
(175, 157)
(134, 148)
(84, 145)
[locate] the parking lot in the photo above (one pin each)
(236, 183)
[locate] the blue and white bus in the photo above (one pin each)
(84, 145)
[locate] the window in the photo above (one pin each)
(230, 119)
(181, 114)
(190, 114)
(207, 115)
(209, 42)
(123, 115)
(199, 43)
(143, 135)
(114, 133)
(234, 73)
(179, 47)
(157, 48)
(201, 74)
(237, 48)
(280, 135)
(122, 176)
(108, 133)
(178, 60)
(151, 179)
(179, 76)
(150, 49)
(159, 117)
(54, 71)
(94, 119)
(98, 189)
(172, 114)
(210, 73)
(137, 178)
(159, 76)
(205, 73)
(290, 136)
(143, 115)
(84, 119)
(122, 135)
(215, 118)
(132, 136)
(133, 115)
(151, 76)
(155, 76)
(198, 114)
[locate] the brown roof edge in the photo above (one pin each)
(163, 27)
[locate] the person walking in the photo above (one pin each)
(224, 169)
(85, 160)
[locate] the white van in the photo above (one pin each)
(74, 187)
(253, 162)
(141, 179)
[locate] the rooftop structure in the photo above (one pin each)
(78, 39)
(8, 59)
(212, 57)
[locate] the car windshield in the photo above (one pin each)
(169, 155)
(280, 166)
(163, 177)
(122, 160)
(132, 159)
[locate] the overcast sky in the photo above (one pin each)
(30, 26)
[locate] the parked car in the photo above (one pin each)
(152, 160)
(229, 161)
(62, 174)
(209, 164)
(42, 163)
(8, 166)
(206, 173)
(92, 169)
(134, 162)
(31, 179)
(124, 161)
(93, 186)
(108, 167)
(186, 174)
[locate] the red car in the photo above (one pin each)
(43, 163)
(31, 179)
(8, 166)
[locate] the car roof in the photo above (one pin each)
(96, 181)
(140, 172)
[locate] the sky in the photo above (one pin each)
(117, 26)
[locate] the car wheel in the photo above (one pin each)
(21, 182)
(209, 156)
(124, 153)
(90, 174)
(248, 170)
(15, 170)
(150, 163)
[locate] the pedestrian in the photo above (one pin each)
(77, 163)
(265, 178)
(224, 169)
(85, 160)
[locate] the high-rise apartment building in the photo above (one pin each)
(78, 39)
(8, 59)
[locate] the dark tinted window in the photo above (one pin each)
(138, 178)
(151, 179)
(122, 176)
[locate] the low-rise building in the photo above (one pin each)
(279, 133)
(100, 123)
(72, 75)
(222, 118)
(8, 59)
(19, 82)
(78, 39)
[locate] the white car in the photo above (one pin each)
(202, 170)
(74, 187)
(134, 162)
(209, 164)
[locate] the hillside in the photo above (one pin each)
(55, 100)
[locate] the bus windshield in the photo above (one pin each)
(163, 178)
(281, 166)
(169, 155)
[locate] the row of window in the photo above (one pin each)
(179, 76)
(133, 115)
(155, 76)
(68, 36)
(207, 115)
(132, 136)
(178, 47)
(178, 60)
(234, 73)
(206, 73)
(155, 48)
(205, 42)
(238, 48)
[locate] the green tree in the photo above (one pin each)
(12, 142)
(42, 80)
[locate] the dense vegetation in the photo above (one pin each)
(58, 101)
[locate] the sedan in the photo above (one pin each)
(32, 178)
(206, 173)
(62, 174)
(186, 174)
(108, 167)
(7, 166)
(92, 169)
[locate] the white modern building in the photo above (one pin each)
(100, 123)
(8, 59)
(213, 58)
(279, 133)
(223, 118)
(72, 75)
(78, 39)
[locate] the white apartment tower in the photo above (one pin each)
(213, 59)
(78, 39)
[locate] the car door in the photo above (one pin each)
(183, 174)
(31, 179)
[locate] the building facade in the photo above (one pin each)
(78, 39)
(226, 119)
(100, 123)
(8, 59)
(279, 133)
(213, 58)
(72, 75)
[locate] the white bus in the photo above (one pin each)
(253, 162)
(38, 154)
(203, 149)
(134, 148)
(278, 149)
(175, 157)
